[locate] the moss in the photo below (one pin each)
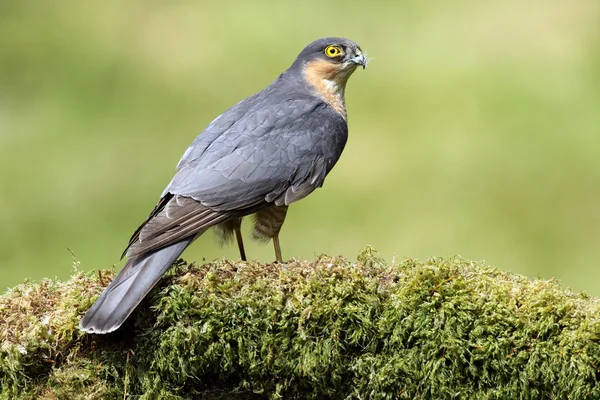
(330, 328)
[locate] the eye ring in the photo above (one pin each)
(333, 51)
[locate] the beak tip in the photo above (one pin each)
(359, 60)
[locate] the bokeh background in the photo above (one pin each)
(474, 131)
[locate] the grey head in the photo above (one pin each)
(344, 53)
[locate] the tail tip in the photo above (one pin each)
(91, 327)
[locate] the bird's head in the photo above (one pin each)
(326, 64)
(342, 55)
(331, 58)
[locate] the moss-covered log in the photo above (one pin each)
(330, 328)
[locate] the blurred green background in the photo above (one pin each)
(474, 131)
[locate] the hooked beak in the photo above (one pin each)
(360, 59)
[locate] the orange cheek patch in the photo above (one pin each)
(329, 81)
(322, 69)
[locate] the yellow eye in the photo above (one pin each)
(333, 51)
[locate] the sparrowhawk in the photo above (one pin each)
(264, 153)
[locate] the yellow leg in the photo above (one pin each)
(238, 237)
(277, 248)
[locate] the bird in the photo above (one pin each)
(262, 154)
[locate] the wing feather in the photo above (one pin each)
(262, 154)
(181, 218)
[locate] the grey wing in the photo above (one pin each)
(176, 217)
(275, 153)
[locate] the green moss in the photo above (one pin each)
(445, 328)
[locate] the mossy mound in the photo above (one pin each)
(330, 328)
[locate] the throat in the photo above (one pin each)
(332, 93)
(329, 83)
